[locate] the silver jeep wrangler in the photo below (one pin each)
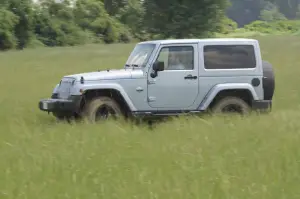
(171, 77)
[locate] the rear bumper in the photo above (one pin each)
(263, 105)
(71, 104)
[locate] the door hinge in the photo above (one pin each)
(151, 81)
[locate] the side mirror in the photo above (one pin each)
(158, 66)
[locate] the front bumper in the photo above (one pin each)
(72, 104)
(262, 105)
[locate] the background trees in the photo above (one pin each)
(24, 23)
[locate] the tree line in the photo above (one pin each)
(25, 23)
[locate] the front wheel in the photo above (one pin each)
(101, 108)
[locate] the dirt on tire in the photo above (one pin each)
(92, 106)
(218, 108)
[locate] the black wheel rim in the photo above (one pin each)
(232, 108)
(104, 112)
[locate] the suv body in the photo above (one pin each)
(169, 77)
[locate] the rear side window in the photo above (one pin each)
(229, 57)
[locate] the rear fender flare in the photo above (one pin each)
(221, 87)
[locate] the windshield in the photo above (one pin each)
(140, 55)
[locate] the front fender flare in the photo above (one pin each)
(221, 87)
(114, 87)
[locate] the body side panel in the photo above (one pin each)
(172, 82)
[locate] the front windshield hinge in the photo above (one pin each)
(132, 65)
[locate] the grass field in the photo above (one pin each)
(228, 158)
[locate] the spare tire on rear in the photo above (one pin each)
(268, 80)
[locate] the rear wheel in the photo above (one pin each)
(101, 108)
(231, 105)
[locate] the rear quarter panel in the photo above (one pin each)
(210, 78)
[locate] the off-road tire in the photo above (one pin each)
(93, 106)
(220, 105)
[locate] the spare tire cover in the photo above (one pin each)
(268, 80)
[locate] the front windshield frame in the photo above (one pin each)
(140, 55)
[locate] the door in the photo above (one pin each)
(177, 87)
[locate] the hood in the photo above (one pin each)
(109, 74)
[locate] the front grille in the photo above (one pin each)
(64, 88)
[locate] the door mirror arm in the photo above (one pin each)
(153, 74)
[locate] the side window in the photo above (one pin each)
(163, 56)
(229, 57)
(177, 57)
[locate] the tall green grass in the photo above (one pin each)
(188, 157)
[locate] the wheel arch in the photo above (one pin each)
(244, 91)
(113, 93)
(243, 94)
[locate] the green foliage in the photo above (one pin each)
(8, 21)
(23, 24)
(284, 26)
(23, 29)
(245, 11)
(132, 16)
(259, 26)
(112, 7)
(271, 15)
(227, 26)
(181, 19)
(35, 43)
(62, 23)
(90, 15)
(55, 26)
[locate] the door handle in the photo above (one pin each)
(139, 89)
(190, 77)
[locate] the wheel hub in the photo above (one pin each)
(104, 112)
